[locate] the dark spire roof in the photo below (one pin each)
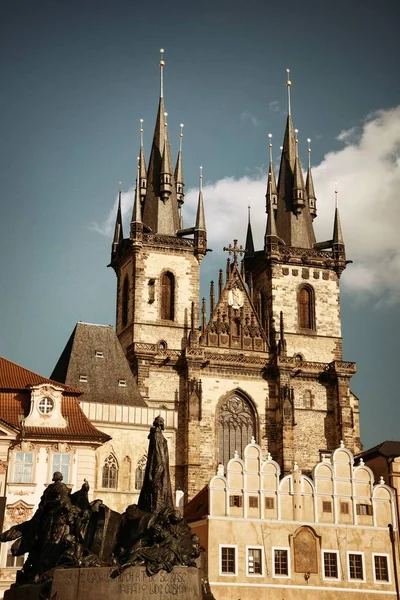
(136, 212)
(337, 227)
(200, 217)
(94, 351)
(312, 201)
(179, 172)
(160, 216)
(118, 233)
(142, 165)
(249, 245)
(272, 190)
(293, 220)
(271, 230)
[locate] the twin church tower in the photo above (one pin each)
(262, 357)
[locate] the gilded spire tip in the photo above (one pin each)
(270, 147)
(201, 179)
(162, 65)
(309, 152)
(288, 85)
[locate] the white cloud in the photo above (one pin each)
(368, 173)
(248, 117)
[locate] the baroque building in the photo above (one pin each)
(263, 357)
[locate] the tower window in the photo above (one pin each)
(125, 301)
(307, 400)
(306, 307)
(167, 296)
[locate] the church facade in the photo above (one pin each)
(262, 357)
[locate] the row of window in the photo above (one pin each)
(23, 466)
(255, 564)
(24, 469)
(361, 509)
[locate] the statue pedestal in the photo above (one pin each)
(183, 583)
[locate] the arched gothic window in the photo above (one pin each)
(125, 301)
(110, 473)
(307, 399)
(306, 308)
(139, 473)
(167, 296)
(236, 426)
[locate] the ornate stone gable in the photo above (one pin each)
(235, 322)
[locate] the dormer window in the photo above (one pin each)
(99, 354)
(45, 406)
(122, 382)
(83, 378)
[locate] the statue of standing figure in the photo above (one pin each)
(156, 492)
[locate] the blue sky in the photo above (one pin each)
(78, 76)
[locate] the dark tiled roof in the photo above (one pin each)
(103, 373)
(388, 449)
(15, 377)
(197, 508)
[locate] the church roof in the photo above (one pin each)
(15, 384)
(94, 359)
(388, 449)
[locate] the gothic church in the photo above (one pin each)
(262, 358)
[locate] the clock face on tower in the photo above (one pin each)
(45, 405)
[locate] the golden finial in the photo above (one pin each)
(248, 208)
(336, 194)
(141, 133)
(201, 179)
(165, 116)
(288, 85)
(270, 147)
(309, 152)
(181, 137)
(162, 64)
(119, 186)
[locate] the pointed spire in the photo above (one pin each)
(179, 172)
(337, 227)
(118, 233)
(249, 245)
(272, 191)
(200, 232)
(200, 218)
(160, 206)
(142, 166)
(271, 231)
(136, 213)
(298, 182)
(312, 201)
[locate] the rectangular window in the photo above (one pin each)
(83, 378)
(281, 563)
(344, 508)
(122, 382)
(364, 509)
(23, 467)
(235, 501)
(253, 501)
(99, 354)
(356, 569)
(254, 561)
(228, 560)
(327, 506)
(331, 565)
(61, 463)
(14, 561)
(269, 502)
(381, 568)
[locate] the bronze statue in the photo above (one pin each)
(156, 493)
(68, 531)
